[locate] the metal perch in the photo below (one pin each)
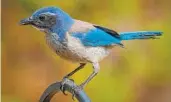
(54, 88)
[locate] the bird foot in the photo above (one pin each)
(75, 90)
(64, 81)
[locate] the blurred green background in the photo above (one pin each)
(140, 72)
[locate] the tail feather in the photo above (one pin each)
(140, 35)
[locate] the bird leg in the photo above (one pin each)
(74, 71)
(92, 75)
(96, 68)
(70, 74)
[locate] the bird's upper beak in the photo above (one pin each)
(26, 21)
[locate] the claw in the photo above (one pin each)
(80, 87)
(73, 93)
(73, 96)
(62, 88)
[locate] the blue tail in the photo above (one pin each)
(140, 35)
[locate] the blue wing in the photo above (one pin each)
(99, 36)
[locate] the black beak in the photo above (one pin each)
(26, 21)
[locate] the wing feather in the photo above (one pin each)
(91, 35)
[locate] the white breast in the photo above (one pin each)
(73, 50)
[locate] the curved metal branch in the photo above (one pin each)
(69, 86)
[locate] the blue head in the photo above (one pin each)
(51, 19)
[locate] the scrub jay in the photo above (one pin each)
(80, 41)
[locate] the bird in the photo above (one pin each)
(80, 41)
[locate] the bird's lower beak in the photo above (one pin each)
(26, 21)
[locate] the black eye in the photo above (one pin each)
(42, 18)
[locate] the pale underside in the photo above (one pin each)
(73, 50)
